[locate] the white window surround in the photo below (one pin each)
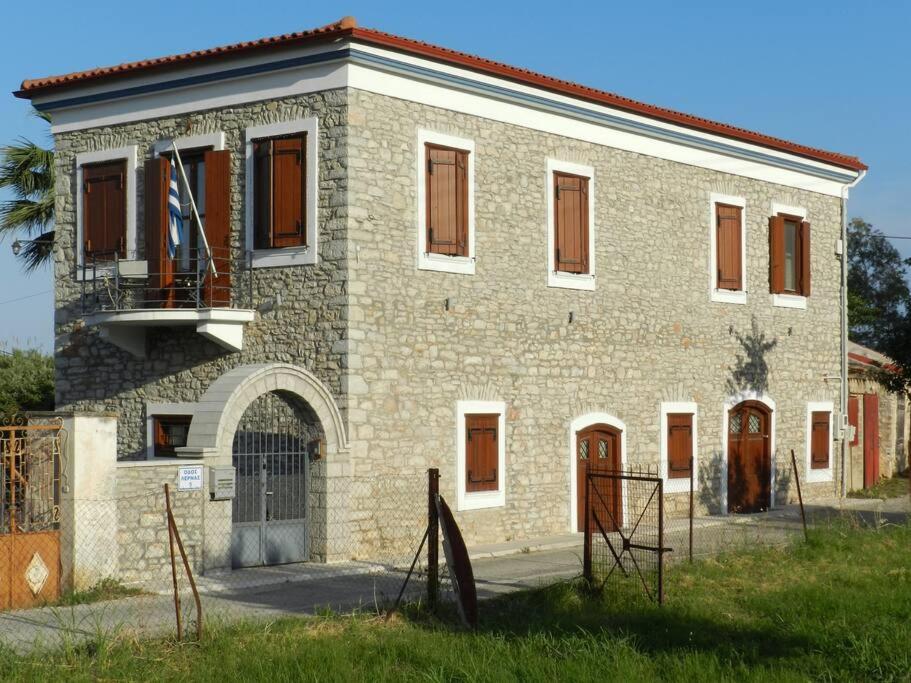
(727, 295)
(678, 484)
(288, 256)
(789, 300)
(820, 475)
(131, 156)
(464, 265)
(477, 500)
(729, 403)
(576, 426)
(583, 281)
(214, 140)
(154, 410)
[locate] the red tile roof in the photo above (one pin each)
(347, 28)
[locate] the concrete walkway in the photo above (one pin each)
(295, 590)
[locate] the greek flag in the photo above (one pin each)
(175, 216)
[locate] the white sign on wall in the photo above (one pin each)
(189, 478)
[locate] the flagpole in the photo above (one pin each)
(202, 230)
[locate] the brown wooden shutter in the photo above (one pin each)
(853, 414)
(482, 456)
(571, 223)
(217, 291)
(805, 258)
(289, 176)
(262, 194)
(729, 247)
(104, 214)
(819, 440)
(161, 269)
(679, 444)
(446, 189)
(776, 254)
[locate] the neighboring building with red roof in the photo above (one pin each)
(880, 418)
(412, 257)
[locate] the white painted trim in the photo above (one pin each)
(293, 256)
(778, 208)
(480, 499)
(154, 410)
(817, 476)
(576, 426)
(727, 295)
(386, 71)
(214, 140)
(377, 80)
(731, 402)
(678, 485)
(464, 265)
(586, 281)
(797, 301)
(130, 155)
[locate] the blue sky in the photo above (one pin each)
(830, 74)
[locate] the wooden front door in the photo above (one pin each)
(599, 447)
(749, 458)
(871, 440)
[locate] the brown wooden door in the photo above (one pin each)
(749, 458)
(598, 447)
(871, 439)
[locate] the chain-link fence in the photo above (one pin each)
(110, 566)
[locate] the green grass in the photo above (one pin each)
(838, 608)
(895, 487)
(106, 589)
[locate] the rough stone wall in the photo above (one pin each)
(649, 333)
(142, 529)
(307, 329)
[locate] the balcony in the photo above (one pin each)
(123, 300)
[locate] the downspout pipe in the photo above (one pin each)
(843, 402)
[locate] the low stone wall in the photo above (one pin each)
(142, 531)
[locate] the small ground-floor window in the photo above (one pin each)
(678, 444)
(480, 454)
(819, 441)
(170, 433)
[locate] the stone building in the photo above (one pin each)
(427, 259)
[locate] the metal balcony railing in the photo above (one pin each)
(110, 283)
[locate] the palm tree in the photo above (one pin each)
(27, 170)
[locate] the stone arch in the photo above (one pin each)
(221, 407)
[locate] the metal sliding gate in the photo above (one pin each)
(270, 509)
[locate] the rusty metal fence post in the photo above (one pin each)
(586, 527)
(433, 538)
(174, 535)
(661, 549)
(803, 514)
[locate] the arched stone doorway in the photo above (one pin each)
(231, 406)
(749, 457)
(598, 438)
(275, 453)
(599, 447)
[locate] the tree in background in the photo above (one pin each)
(26, 381)
(879, 298)
(27, 170)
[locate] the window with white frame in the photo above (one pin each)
(480, 454)
(445, 191)
(728, 253)
(106, 206)
(281, 193)
(678, 445)
(819, 441)
(570, 192)
(789, 256)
